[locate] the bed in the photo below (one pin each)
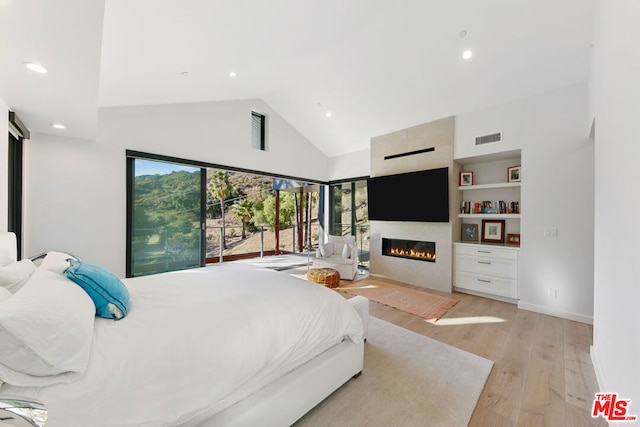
(226, 345)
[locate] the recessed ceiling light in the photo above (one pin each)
(35, 67)
(462, 34)
(58, 126)
(328, 114)
(467, 54)
(232, 74)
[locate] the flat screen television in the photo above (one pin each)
(421, 196)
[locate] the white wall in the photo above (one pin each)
(4, 164)
(214, 132)
(557, 191)
(75, 189)
(351, 165)
(74, 195)
(616, 99)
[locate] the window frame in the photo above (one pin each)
(18, 132)
(337, 186)
(132, 155)
(262, 137)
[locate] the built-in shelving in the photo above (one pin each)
(491, 191)
(490, 216)
(483, 265)
(490, 186)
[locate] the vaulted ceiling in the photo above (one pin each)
(376, 65)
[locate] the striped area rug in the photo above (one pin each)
(422, 303)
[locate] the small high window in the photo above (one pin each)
(258, 131)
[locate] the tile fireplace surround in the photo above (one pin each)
(433, 275)
(384, 161)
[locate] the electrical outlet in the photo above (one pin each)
(550, 232)
(552, 293)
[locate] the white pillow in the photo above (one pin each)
(5, 257)
(4, 295)
(15, 275)
(57, 262)
(346, 251)
(326, 250)
(8, 248)
(46, 330)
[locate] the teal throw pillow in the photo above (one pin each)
(108, 293)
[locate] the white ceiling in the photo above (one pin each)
(377, 65)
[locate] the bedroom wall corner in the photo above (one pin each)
(213, 132)
(75, 200)
(75, 190)
(557, 191)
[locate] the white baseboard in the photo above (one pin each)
(485, 295)
(598, 370)
(555, 312)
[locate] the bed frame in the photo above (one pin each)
(287, 399)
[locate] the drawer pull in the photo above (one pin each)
(484, 280)
(484, 262)
(483, 252)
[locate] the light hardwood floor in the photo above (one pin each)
(542, 373)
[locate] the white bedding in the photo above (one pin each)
(194, 343)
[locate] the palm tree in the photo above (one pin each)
(220, 188)
(243, 209)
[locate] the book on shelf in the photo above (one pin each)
(489, 207)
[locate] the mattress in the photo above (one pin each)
(194, 343)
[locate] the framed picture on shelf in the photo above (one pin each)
(513, 240)
(492, 231)
(466, 178)
(469, 232)
(513, 174)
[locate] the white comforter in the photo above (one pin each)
(194, 343)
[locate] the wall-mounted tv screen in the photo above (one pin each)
(421, 196)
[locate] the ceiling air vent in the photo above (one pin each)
(489, 139)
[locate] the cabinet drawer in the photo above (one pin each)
(488, 284)
(487, 266)
(487, 251)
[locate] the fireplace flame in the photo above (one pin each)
(413, 254)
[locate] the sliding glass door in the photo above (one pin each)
(348, 214)
(17, 134)
(15, 189)
(183, 213)
(166, 216)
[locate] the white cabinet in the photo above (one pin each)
(486, 269)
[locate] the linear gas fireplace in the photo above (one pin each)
(411, 249)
